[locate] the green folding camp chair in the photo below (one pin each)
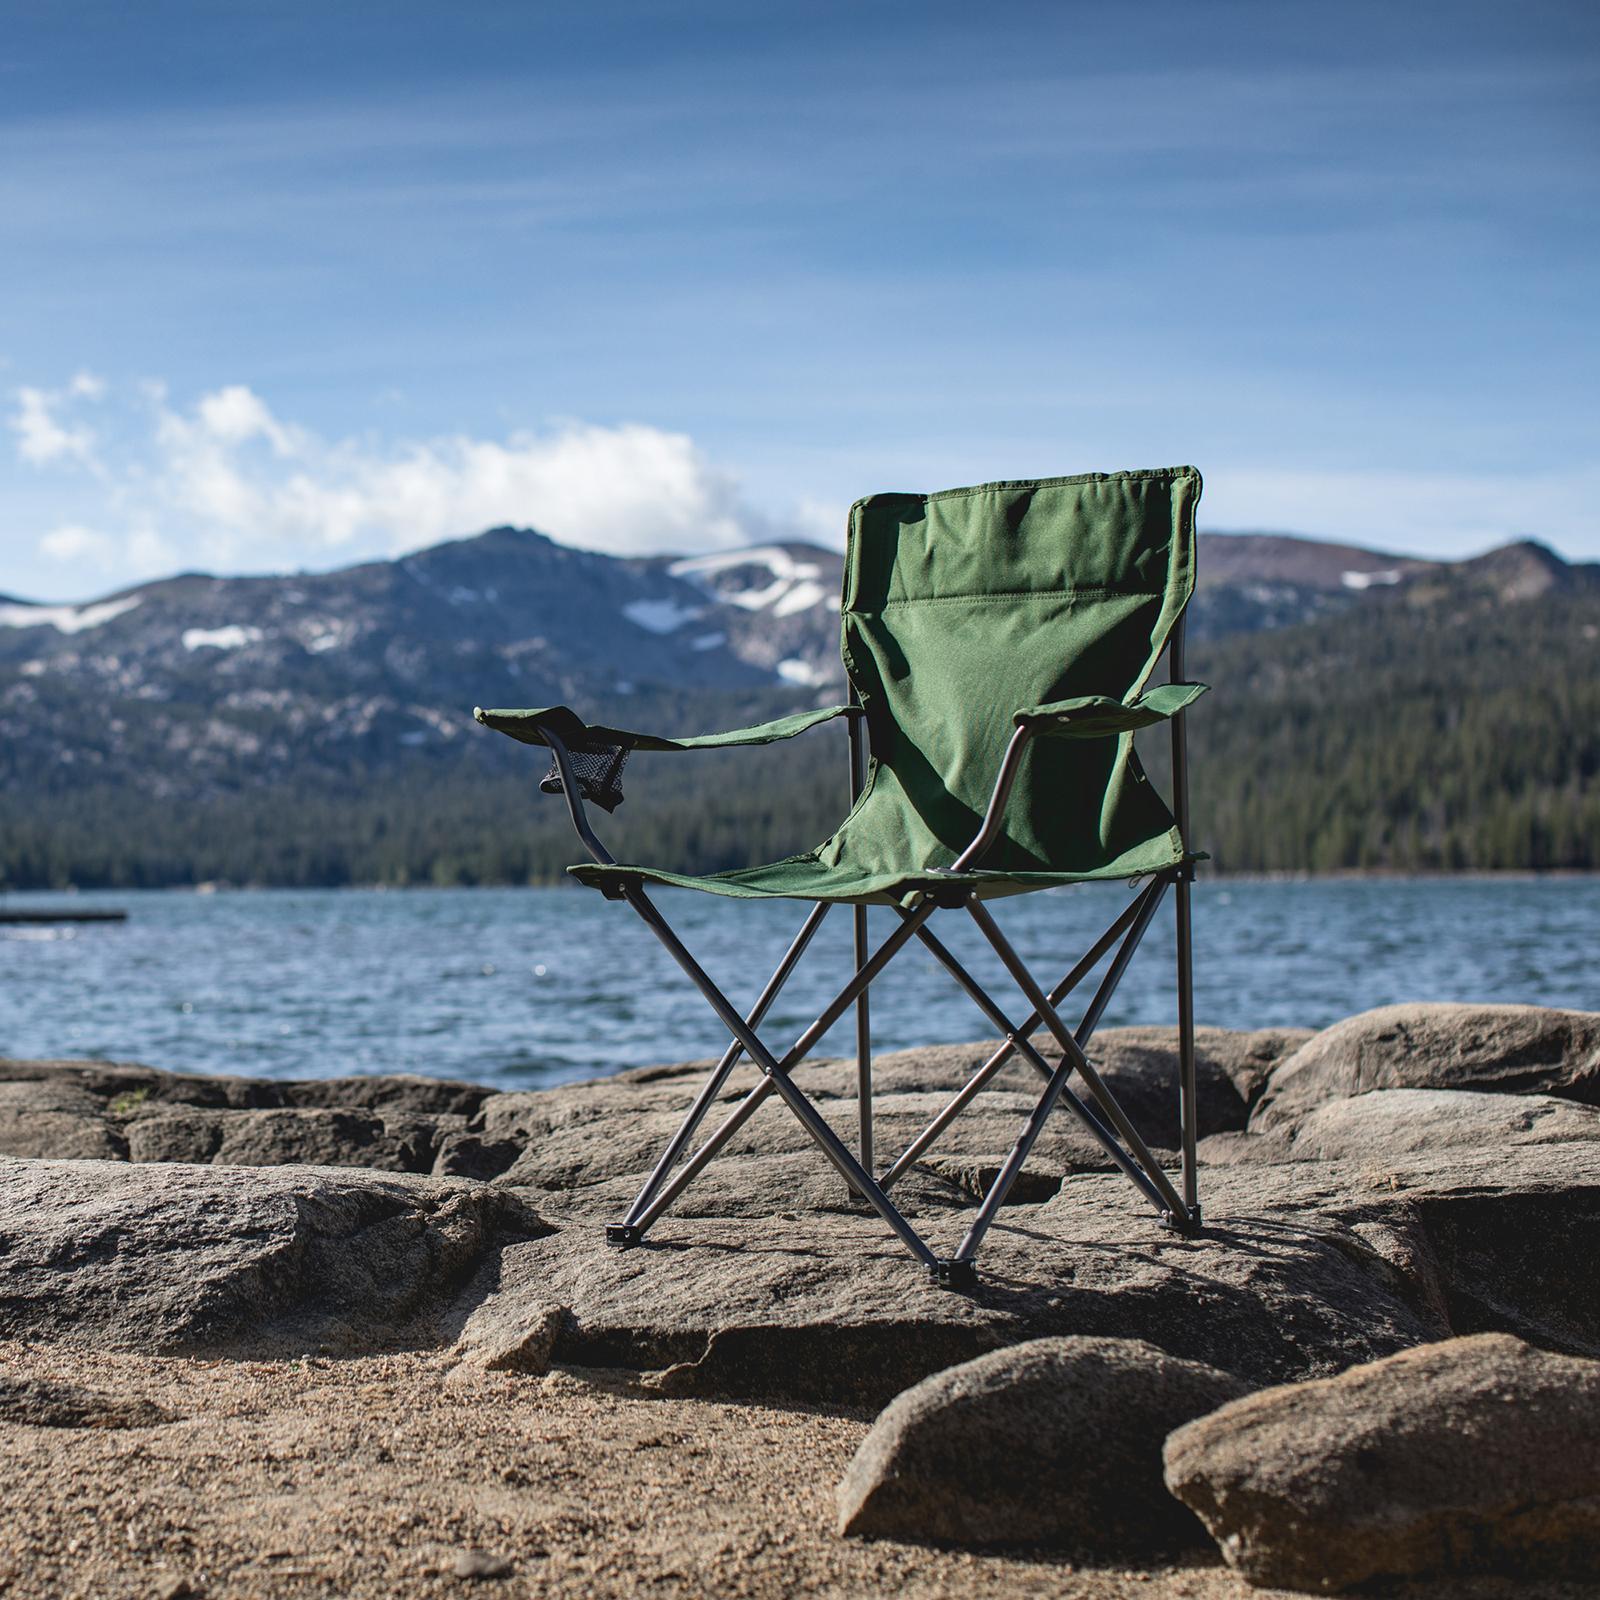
(998, 641)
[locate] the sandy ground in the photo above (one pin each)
(397, 1476)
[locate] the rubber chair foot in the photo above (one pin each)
(1188, 1226)
(623, 1235)
(961, 1277)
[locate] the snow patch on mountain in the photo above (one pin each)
(793, 586)
(801, 597)
(320, 636)
(235, 636)
(803, 673)
(65, 619)
(659, 616)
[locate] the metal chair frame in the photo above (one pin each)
(1104, 1118)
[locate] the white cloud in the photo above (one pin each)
(225, 482)
(42, 437)
(234, 414)
(73, 542)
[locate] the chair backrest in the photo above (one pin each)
(961, 608)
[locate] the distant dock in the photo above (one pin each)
(61, 916)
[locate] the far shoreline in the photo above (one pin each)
(1341, 875)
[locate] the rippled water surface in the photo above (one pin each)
(521, 987)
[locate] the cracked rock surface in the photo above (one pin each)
(191, 1214)
(238, 1260)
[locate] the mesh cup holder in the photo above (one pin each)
(598, 769)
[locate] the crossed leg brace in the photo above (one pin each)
(1104, 1118)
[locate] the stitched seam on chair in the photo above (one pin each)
(1156, 475)
(1007, 596)
(1153, 475)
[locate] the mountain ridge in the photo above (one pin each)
(1273, 554)
(796, 576)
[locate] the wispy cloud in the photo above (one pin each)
(42, 437)
(225, 482)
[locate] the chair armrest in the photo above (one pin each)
(571, 729)
(1097, 716)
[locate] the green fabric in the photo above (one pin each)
(964, 612)
(805, 877)
(571, 730)
(1095, 716)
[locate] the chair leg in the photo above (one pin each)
(719, 1076)
(863, 1046)
(777, 1072)
(1073, 1055)
(1001, 1187)
(700, 1160)
(859, 761)
(1149, 1179)
(1004, 1052)
(1186, 1075)
(747, 1107)
(1017, 1040)
(1149, 904)
(1187, 1109)
(958, 1271)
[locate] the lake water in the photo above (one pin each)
(523, 987)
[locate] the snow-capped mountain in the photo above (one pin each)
(228, 675)
(778, 606)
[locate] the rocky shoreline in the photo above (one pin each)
(1378, 1192)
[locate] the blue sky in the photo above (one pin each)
(290, 284)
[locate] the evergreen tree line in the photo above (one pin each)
(419, 826)
(1397, 739)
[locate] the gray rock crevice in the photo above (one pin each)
(1499, 1049)
(185, 1258)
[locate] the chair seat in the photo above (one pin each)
(808, 877)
